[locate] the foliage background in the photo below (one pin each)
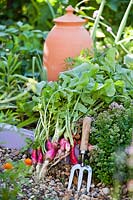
(24, 25)
(38, 14)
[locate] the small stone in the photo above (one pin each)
(94, 194)
(32, 197)
(7, 155)
(15, 152)
(97, 190)
(61, 194)
(76, 196)
(83, 190)
(99, 184)
(125, 191)
(52, 182)
(30, 181)
(29, 194)
(57, 180)
(85, 197)
(67, 195)
(92, 185)
(24, 156)
(106, 190)
(66, 184)
(54, 193)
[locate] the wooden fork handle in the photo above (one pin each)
(85, 134)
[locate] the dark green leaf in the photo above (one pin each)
(109, 88)
(81, 108)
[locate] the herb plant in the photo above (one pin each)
(111, 132)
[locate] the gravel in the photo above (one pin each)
(54, 186)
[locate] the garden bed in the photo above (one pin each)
(54, 186)
(35, 163)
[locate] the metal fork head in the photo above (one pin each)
(80, 177)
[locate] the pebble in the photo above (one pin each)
(106, 190)
(97, 190)
(32, 197)
(92, 185)
(85, 197)
(54, 187)
(94, 194)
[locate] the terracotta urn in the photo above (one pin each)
(66, 39)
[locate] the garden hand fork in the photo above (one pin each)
(83, 147)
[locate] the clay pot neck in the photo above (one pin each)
(69, 19)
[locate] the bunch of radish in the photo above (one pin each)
(54, 151)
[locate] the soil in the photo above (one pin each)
(54, 186)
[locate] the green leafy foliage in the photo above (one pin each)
(16, 93)
(111, 131)
(128, 60)
(13, 179)
(23, 40)
(86, 89)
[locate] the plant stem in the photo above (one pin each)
(5, 107)
(14, 98)
(114, 36)
(78, 4)
(33, 66)
(51, 9)
(93, 35)
(21, 77)
(123, 22)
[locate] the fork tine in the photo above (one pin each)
(89, 178)
(80, 178)
(75, 167)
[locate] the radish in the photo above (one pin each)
(50, 154)
(49, 145)
(34, 156)
(39, 155)
(64, 145)
(39, 160)
(73, 158)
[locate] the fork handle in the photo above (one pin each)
(85, 134)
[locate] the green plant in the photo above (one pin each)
(23, 40)
(112, 130)
(12, 179)
(38, 13)
(16, 93)
(9, 116)
(86, 89)
(121, 173)
(130, 168)
(103, 32)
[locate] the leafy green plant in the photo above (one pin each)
(86, 89)
(9, 116)
(130, 168)
(21, 39)
(121, 173)
(16, 93)
(38, 13)
(12, 179)
(112, 130)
